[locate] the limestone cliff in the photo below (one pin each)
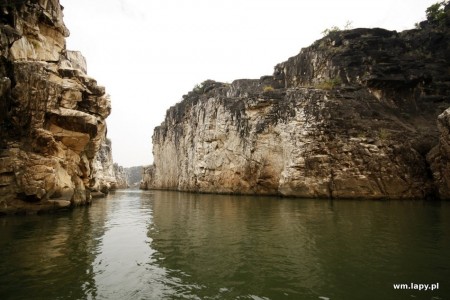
(148, 176)
(121, 176)
(352, 116)
(52, 115)
(134, 175)
(439, 157)
(106, 175)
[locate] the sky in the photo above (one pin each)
(149, 53)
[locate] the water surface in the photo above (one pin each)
(168, 245)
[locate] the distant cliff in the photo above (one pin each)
(134, 175)
(148, 176)
(52, 115)
(106, 175)
(352, 116)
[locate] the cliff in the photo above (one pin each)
(106, 174)
(134, 175)
(352, 116)
(121, 176)
(52, 114)
(147, 178)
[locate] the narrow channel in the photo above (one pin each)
(169, 245)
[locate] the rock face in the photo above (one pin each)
(439, 157)
(107, 175)
(121, 177)
(134, 175)
(352, 116)
(148, 176)
(52, 115)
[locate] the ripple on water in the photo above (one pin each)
(164, 245)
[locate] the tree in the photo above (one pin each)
(436, 13)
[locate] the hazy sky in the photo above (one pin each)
(148, 53)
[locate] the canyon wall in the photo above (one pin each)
(106, 175)
(134, 175)
(147, 178)
(352, 116)
(52, 114)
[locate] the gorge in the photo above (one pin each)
(260, 188)
(53, 147)
(361, 113)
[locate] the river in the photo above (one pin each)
(170, 245)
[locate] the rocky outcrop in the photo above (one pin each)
(134, 175)
(352, 116)
(121, 177)
(439, 157)
(52, 114)
(148, 176)
(106, 175)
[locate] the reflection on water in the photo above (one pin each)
(168, 245)
(44, 255)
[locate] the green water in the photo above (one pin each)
(168, 245)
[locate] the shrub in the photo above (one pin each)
(198, 88)
(268, 89)
(436, 13)
(333, 29)
(384, 134)
(329, 84)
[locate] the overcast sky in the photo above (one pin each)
(148, 53)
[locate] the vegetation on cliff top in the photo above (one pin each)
(436, 13)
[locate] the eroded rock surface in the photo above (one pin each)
(121, 177)
(352, 116)
(52, 114)
(107, 175)
(439, 157)
(147, 178)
